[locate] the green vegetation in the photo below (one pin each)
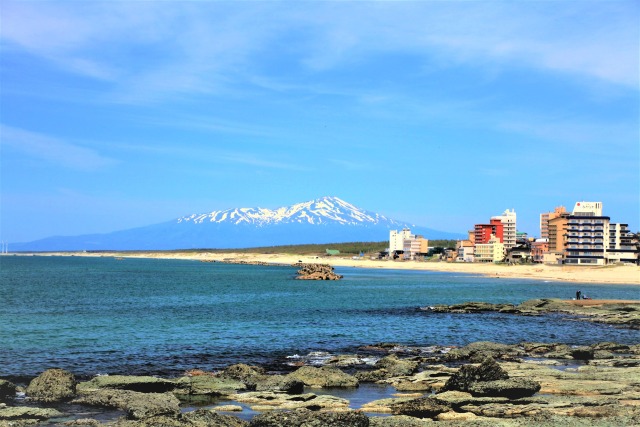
(349, 248)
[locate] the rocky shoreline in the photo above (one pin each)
(624, 314)
(480, 384)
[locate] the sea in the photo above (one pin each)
(103, 315)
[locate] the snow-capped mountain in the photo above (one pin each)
(324, 220)
(320, 211)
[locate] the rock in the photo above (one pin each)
(401, 421)
(286, 384)
(249, 375)
(512, 388)
(388, 367)
(478, 351)
(83, 422)
(316, 272)
(227, 408)
(269, 400)
(582, 353)
(53, 385)
(28, 413)
(207, 418)
(456, 416)
(489, 370)
(255, 378)
(143, 384)
(324, 377)
(610, 346)
(198, 418)
(7, 390)
(207, 385)
(305, 418)
(423, 407)
(136, 404)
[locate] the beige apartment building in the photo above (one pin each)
(492, 251)
(546, 217)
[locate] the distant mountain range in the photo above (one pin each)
(324, 220)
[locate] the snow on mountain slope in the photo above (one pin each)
(324, 220)
(319, 211)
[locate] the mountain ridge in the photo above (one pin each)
(324, 220)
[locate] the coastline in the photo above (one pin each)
(618, 274)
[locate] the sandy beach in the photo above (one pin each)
(614, 274)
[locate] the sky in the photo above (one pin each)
(121, 114)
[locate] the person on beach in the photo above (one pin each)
(578, 295)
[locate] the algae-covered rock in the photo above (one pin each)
(137, 405)
(207, 385)
(28, 413)
(306, 418)
(7, 390)
(198, 418)
(512, 388)
(478, 351)
(488, 370)
(423, 407)
(249, 375)
(285, 383)
(324, 377)
(53, 385)
(143, 384)
(401, 421)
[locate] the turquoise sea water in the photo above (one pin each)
(162, 317)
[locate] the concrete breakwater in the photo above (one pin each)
(481, 384)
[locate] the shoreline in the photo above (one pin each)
(611, 274)
(386, 386)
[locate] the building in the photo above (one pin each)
(465, 249)
(587, 235)
(492, 251)
(396, 239)
(538, 248)
(622, 245)
(415, 246)
(508, 219)
(483, 232)
(546, 217)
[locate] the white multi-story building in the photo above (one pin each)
(396, 239)
(622, 247)
(508, 220)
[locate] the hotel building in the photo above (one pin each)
(508, 220)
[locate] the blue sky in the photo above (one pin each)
(122, 114)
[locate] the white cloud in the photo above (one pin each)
(52, 150)
(151, 50)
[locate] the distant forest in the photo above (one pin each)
(350, 248)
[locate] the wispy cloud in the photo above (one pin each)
(52, 150)
(153, 50)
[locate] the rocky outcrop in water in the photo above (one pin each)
(316, 272)
(53, 385)
(618, 313)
